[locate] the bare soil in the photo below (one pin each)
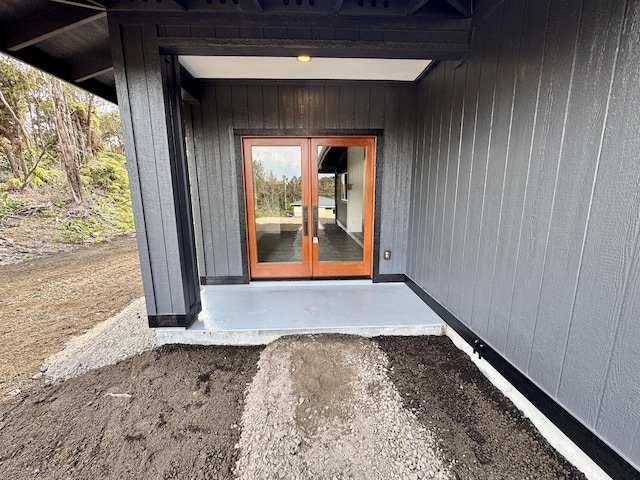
(175, 412)
(46, 301)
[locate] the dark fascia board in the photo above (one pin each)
(592, 445)
(308, 21)
(47, 24)
(318, 48)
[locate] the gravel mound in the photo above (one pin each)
(117, 338)
(322, 407)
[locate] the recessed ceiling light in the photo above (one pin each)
(304, 58)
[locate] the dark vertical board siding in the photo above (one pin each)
(301, 106)
(139, 76)
(536, 196)
(271, 106)
(255, 110)
(471, 72)
(347, 107)
(547, 348)
(599, 35)
(606, 302)
(525, 104)
(443, 181)
(304, 107)
(429, 179)
(416, 191)
(331, 106)
(286, 108)
(391, 157)
(614, 229)
(240, 106)
(425, 224)
(361, 108)
(495, 332)
(433, 227)
(135, 182)
(489, 32)
(561, 34)
(406, 141)
(227, 119)
(376, 108)
(215, 159)
(453, 240)
(414, 258)
(435, 188)
(461, 284)
(451, 172)
(192, 120)
(316, 107)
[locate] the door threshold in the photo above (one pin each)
(306, 282)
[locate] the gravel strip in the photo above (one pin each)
(322, 407)
(117, 338)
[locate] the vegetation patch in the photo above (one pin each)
(61, 158)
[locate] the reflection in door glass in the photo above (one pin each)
(341, 203)
(277, 193)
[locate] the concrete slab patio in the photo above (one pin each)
(260, 312)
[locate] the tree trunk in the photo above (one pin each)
(9, 153)
(67, 141)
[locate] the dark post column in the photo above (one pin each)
(150, 108)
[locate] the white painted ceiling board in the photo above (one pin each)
(289, 68)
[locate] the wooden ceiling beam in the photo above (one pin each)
(92, 4)
(465, 7)
(47, 24)
(416, 5)
(91, 66)
(259, 4)
(181, 3)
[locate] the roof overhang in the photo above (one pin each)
(71, 38)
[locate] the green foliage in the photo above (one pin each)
(105, 176)
(45, 176)
(107, 170)
(8, 205)
(30, 148)
(12, 184)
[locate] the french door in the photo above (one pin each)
(309, 204)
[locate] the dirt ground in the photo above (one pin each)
(47, 300)
(175, 412)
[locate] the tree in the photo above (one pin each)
(26, 134)
(68, 141)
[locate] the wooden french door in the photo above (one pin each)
(309, 204)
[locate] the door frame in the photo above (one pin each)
(314, 268)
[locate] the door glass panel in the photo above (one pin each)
(341, 207)
(277, 193)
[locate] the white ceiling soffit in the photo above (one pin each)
(289, 68)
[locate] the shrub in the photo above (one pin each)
(107, 170)
(8, 205)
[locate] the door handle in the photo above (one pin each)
(305, 221)
(315, 221)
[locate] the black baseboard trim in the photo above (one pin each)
(234, 280)
(156, 321)
(389, 278)
(601, 453)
